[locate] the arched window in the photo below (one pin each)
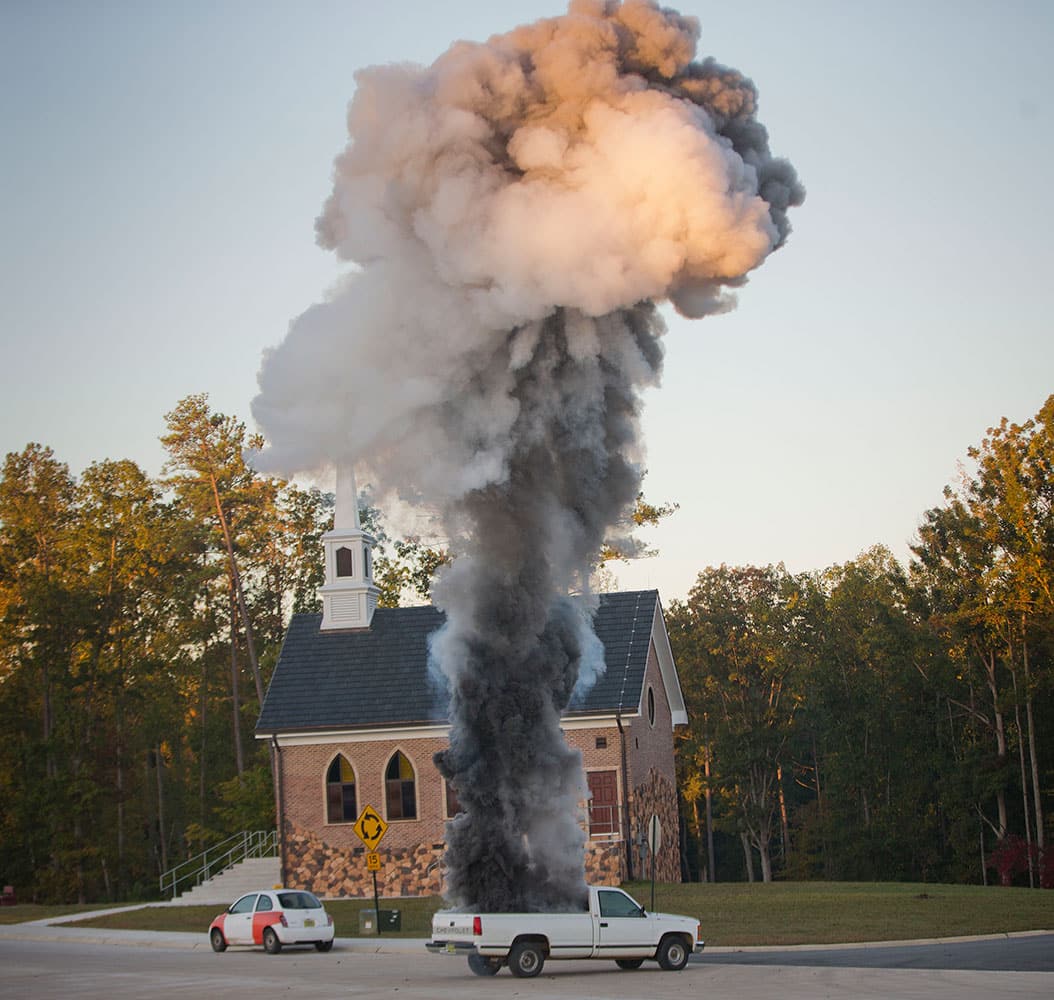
(341, 806)
(345, 566)
(651, 706)
(400, 788)
(366, 561)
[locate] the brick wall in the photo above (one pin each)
(650, 746)
(304, 785)
(329, 859)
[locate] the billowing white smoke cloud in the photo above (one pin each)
(581, 162)
(515, 211)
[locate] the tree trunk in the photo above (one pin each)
(766, 858)
(1027, 812)
(202, 755)
(161, 838)
(119, 762)
(700, 850)
(1033, 756)
(711, 865)
(239, 592)
(49, 722)
(236, 701)
(748, 856)
(820, 809)
(784, 824)
(1000, 740)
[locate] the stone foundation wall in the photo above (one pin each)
(312, 864)
(656, 796)
(605, 862)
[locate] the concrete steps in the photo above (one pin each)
(225, 888)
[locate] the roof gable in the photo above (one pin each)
(378, 677)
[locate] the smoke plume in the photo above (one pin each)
(515, 211)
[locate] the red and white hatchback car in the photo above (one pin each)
(273, 917)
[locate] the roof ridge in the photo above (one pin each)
(629, 651)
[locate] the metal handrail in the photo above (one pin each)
(603, 821)
(219, 857)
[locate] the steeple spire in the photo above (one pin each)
(349, 597)
(346, 512)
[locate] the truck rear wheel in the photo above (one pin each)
(672, 953)
(629, 963)
(526, 959)
(481, 965)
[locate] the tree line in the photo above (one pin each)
(866, 721)
(881, 721)
(140, 620)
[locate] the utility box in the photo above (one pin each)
(389, 920)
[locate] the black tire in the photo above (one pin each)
(629, 963)
(526, 959)
(217, 940)
(482, 965)
(672, 953)
(324, 945)
(270, 941)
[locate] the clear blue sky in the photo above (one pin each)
(163, 165)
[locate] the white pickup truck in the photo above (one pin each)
(615, 927)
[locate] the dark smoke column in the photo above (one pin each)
(515, 211)
(514, 644)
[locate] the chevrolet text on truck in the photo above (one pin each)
(615, 927)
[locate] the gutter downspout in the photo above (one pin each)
(276, 752)
(625, 798)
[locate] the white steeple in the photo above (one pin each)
(349, 597)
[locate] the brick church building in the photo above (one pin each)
(354, 718)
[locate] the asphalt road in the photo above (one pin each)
(65, 967)
(1021, 953)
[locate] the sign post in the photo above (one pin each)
(654, 843)
(370, 829)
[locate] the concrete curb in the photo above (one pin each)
(853, 945)
(42, 932)
(97, 935)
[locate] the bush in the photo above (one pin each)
(1012, 857)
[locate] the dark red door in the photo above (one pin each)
(603, 806)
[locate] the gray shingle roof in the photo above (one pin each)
(379, 676)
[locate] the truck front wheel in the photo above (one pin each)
(482, 965)
(526, 959)
(672, 953)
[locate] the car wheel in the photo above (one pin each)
(270, 942)
(217, 940)
(672, 954)
(324, 945)
(481, 965)
(629, 963)
(526, 959)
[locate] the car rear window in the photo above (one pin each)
(298, 901)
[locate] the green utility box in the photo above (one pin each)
(389, 920)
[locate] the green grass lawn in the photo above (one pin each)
(781, 913)
(32, 911)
